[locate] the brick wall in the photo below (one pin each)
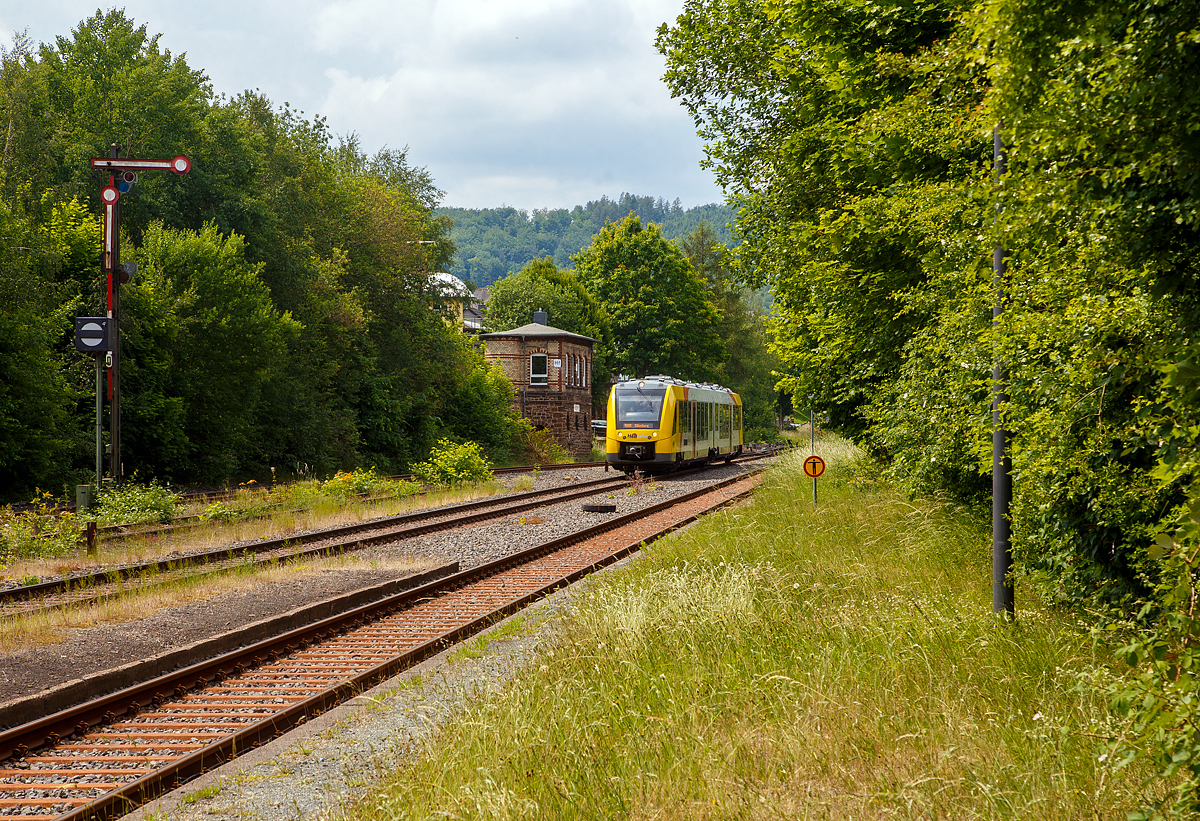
(564, 404)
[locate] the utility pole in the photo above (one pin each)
(1003, 600)
(123, 175)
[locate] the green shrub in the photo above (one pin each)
(450, 464)
(541, 448)
(38, 533)
(222, 512)
(345, 485)
(768, 433)
(136, 504)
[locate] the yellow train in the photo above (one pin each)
(658, 424)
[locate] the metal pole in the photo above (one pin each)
(812, 445)
(1003, 600)
(99, 423)
(114, 423)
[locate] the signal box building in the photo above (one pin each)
(551, 371)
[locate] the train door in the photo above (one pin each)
(695, 410)
(683, 412)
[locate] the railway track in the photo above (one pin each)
(229, 493)
(105, 758)
(106, 583)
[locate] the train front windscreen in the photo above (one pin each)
(639, 409)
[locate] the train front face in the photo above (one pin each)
(637, 437)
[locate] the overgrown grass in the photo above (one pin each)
(299, 507)
(781, 661)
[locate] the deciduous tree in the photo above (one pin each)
(662, 319)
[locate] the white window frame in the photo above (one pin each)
(544, 377)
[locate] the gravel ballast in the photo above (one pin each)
(94, 649)
(313, 770)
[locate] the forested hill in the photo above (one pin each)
(493, 242)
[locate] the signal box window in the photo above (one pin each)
(539, 370)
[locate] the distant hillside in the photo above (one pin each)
(493, 242)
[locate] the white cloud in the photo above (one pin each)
(530, 102)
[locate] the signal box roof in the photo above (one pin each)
(534, 329)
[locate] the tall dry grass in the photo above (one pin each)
(786, 661)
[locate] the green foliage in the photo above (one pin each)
(43, 532)
(134, 503)
(222, 512)
(451, 463)
(37, 395)
(344, 485)
(495, 242)
(478, 404)
(541, 446)
(662, 320)
(539, 286)
(282, 313)
(201, 340)
(855, 141)
(749, 364)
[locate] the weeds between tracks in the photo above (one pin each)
(778, 660)
(300, 513)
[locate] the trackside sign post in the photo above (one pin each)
(814, 465)
(92, 336)
(123, 174)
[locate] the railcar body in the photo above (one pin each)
(658, 424)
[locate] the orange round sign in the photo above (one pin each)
(814, 466)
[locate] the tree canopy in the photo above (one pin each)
(493, 242)
(749, 365)
(856, 141)
(281, 316)
(662, 319)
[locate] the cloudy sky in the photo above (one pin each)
(529, 103)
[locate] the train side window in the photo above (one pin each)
(539, 369)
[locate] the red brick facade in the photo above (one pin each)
(563, 404)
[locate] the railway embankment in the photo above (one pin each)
(774, 660)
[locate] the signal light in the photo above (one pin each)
(126, 182)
